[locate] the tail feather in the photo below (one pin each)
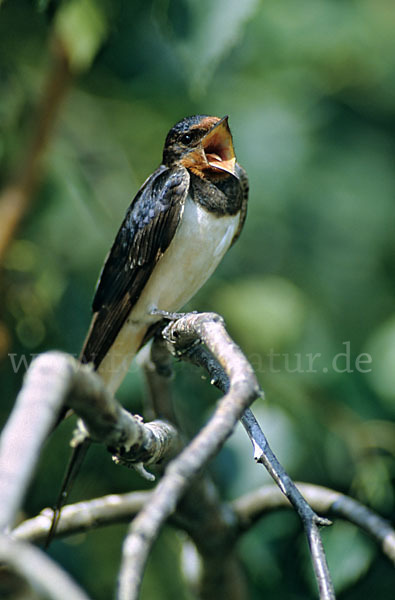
(112, 368)
(75, 462)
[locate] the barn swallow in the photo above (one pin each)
(184, 218)
(176, 231)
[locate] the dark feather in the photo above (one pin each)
(145, 234)
(245, 187)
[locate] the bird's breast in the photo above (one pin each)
(199, 244)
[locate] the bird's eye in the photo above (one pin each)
(186, 138)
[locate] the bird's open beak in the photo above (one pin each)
(218, 147)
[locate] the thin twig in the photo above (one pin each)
(252, 506)
(248, 509)
(311, 521)
(377, 527)
(263, 454)
(83, 516)
(186, 466)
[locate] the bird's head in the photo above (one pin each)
(201, 144)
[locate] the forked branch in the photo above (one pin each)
(243, 390)
(205, 357)
(248, 509)
(55, 380)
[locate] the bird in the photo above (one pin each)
(182, 221)
(176, 231)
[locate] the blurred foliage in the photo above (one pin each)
(307, 291)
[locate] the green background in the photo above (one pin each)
(309, 88)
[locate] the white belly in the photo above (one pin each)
(197, 248)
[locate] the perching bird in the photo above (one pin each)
(177, 229)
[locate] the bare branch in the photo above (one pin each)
(39, 570)
(254, 505)
(38, 403)
(54, 380)
(209, 522)
(311, 521)
(264, 454)
(106, 421)
(186, 466)
(248, 509)
(79, 387)
(83, 516)
(156, 363)
(366, 519)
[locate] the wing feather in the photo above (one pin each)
(145, 234)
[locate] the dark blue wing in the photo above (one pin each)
(145, 234)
